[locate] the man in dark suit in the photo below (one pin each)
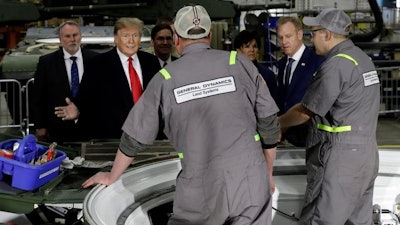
(53, 84)
(162, 42)
(108, 91)
(294, 79)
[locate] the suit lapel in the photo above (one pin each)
(144, 67)
(301, 68)
(281, 70)
(118, 70)
(62, 74)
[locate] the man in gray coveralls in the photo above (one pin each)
(220, 117)
(343, 104)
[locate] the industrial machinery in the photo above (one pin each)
(145, 192)
(144, 195)
(20, 62)
(374, 28)
(18, 66)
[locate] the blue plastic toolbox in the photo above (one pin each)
(25, 175)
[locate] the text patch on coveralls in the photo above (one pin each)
(370, 78)
(204, 89)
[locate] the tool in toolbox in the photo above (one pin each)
(32, 164)
(6, 153)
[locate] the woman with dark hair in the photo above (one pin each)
(247, 43)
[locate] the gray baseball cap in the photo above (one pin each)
(331, 19)
(190, 17)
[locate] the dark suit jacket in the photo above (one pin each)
(51, 87)
(301, 78)
(173, 58)
(269, 78)
(105, 98)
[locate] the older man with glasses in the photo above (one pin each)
(342, 105)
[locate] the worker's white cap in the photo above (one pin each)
(331, 19)
(192, 17)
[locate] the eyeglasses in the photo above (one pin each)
(314, 31)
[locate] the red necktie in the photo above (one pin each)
(135, 82)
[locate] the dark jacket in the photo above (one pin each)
(105, 98)
(301, 79)
(51, 87)
(269, 78)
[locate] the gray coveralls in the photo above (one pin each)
(342, 154)
(211, 102)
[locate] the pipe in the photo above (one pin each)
(378, 25)
(91, 7)
(263, 6)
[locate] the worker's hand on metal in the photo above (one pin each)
(68, 112)
(98, 178)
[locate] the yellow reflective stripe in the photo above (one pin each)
(348, 57)
(232, 58)
(257, 137)
(165, 74)
(334, 129)
(180, 154)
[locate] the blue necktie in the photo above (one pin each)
(74, 77)
(288, 71)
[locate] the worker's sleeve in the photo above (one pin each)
(268, 128)
(129, 146)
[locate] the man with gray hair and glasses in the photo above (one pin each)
(342, 104)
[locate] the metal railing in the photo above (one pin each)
(11, 104)
(27, 123)
(390, 90)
